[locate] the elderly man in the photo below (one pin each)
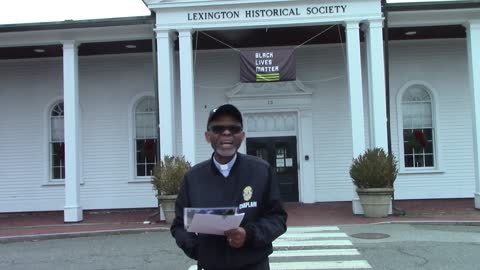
(231, 179)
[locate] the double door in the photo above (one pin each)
(281, 153)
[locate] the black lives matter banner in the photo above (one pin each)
(267, 65)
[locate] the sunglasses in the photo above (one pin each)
(218, 129)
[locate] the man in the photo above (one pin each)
(229, 179)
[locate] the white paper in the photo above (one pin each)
(280, 163)
(214, 224)
(288, 162)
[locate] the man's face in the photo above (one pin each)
(225, 135)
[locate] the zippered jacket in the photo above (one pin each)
(252, 187)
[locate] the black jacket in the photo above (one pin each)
(265, 219)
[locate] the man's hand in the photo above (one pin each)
(236, 237)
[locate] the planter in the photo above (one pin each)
(375, 201)
(168, 206)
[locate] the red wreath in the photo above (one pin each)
(420, 138)
(149, 147)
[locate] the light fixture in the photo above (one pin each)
(130, 46)
(410, 33)
(39, 50)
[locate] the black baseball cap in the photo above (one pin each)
(225, 109)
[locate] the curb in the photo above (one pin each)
(51, 236)
(431, 222)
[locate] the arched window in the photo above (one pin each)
(57, 142)
(418, 128)
(145, 136)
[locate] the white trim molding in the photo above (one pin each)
(435, 123)
(291, 97)
(131, 137)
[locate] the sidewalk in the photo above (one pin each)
(48, 225)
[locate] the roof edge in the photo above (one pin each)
(432, 5)
(70, 24)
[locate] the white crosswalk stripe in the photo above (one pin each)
(310, 248)
(314, 252)
(312, 229)
(325, 247)
(306, 236)
(311, 243)
(320, 265)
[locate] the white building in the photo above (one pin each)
(78, 114)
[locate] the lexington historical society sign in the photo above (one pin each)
(261, 13)
(235, 14)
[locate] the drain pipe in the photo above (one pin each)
(387, 72)
(155, 89)
(395, 211)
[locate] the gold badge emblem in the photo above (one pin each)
(247, 193)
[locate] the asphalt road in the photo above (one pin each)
(153, 250)
(405, 247)
(417, 246)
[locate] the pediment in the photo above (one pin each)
(269, 89)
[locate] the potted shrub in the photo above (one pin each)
(167, 178)
(374, 173)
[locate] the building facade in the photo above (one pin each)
(79, 99)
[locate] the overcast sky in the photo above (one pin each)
(28, 11)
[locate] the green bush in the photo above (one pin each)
(168, 174)
(374, 169)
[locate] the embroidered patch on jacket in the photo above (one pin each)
(247, 193)
(247, 196)
(247, 205)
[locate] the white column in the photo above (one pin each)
(166, 91)
(354, 70)
(473, 46)
(187, 94)
(376, 84)
(73, 210)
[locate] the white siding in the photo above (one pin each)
(26, 89)
(443, 65)
(216, 72)
(107, 86)
(323, 69)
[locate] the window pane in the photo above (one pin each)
(139, 124)
(429, 148)
(408, 161)
(57, 160)
(407, 149)
(55, 173)
(57, 145)
(416, 93)
(145, 136)
(140, 170)
(146, 156)
(418, 161)
(150, 169)
(429, 161)
(418, 148)
(149, 150)
(57, 129)
(417, 127)
(140, 152)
